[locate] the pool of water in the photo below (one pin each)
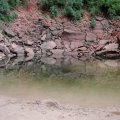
(85, 83)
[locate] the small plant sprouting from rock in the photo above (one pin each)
(53, 11)
(93, 23)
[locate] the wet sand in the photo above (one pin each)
(22, 109)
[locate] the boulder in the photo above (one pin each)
(4, 49)
(4, 60)
(39, 52)
(28, 42)
(73, 53)
(105, 23)
(99, 33)
(57, 32)
(9, 32)
(103, 42)
(29, 51)
(83, 49)
(1, 37)
(48, 45)
(76, 44)
(18, 50)
(48, 60)
(70, 28)
(91, 37)
(59, 43)
(52, 28)
(47, 53)
(73, 37)
(48, 36)
(2, 55)
(43, 38)
(72, 33)
(57, 53)
(111, 46)
(67, 46)
(46, 23)
(17, 60)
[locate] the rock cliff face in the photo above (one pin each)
(60, 39)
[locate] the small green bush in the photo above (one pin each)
(73, 14)
(53, 11)
(93, 23)
(5, 9)
(108, 8)
(14, 3)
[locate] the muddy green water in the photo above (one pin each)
(86, 83)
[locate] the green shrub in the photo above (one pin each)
(108, 8)
(70, 8)
(73, 14)
(5, 9)
(53, 11)
(93, 23)
(14, 3)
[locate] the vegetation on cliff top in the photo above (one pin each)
(73, 9)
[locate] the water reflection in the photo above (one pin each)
(88, 82)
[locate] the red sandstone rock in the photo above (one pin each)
(98, 26)
(111, 46)
(46, 23)
(99, 33)
(91, 37)
(76, 44)
(103, 42)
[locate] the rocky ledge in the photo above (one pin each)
(59, 39)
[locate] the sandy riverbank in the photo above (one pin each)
(19, 109)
